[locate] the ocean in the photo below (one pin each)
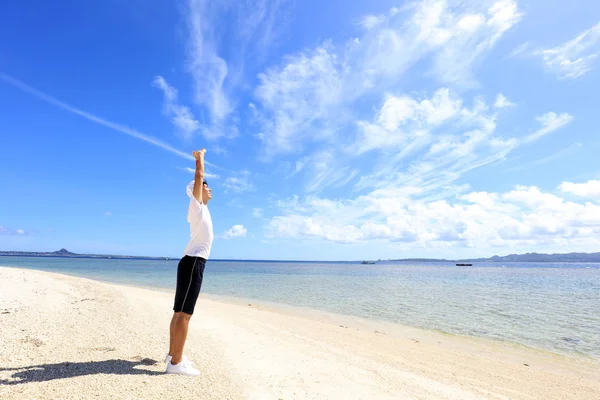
(548, 306)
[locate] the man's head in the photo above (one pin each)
(206, 192)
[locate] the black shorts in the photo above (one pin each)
(189, 281)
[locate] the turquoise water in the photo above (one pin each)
(554, 307)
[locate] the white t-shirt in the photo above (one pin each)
(201, 228)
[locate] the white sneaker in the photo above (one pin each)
(183, 358)
(183, 368)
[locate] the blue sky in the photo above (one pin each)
(334, 130)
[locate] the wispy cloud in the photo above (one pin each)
(108, 214)
(94, 118)
(520, 50)
(239, 183)
(260, 23)
(181, 116)
(325, 169)
(16, 232)
(574, 58)
(235, 231)
(467, 38)
(556, 156)
(208, 69)
(550, 122)
(371, 21)
(207, 174)
(255, 26)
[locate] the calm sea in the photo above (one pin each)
(554, 307)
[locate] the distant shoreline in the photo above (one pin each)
(529, 257)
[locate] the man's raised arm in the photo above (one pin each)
(199, 175)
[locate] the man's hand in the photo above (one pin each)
(198, 154)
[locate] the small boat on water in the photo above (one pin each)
(464, 265)
(368, 262)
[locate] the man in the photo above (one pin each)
(191, 269)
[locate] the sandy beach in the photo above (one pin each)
(73, 338)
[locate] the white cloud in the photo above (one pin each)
(430, 143)
(235, 231)
(314, 96)
(306, 90)
(315, 102)
(589, 189)
(239, 183)
(403, 119)
(257, 212)
(550, 122)
(180, 115)
(574, 58)
(503, 102)
(5, 231)
(108, 214)
(525, 216)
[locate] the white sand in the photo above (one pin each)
(71, 338)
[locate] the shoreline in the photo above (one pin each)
(489, 260)
(314, 314)
(69, 337)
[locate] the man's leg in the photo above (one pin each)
(180, 324)
(189, 281)
(185, 281)
(171, 333)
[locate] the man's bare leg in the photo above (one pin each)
(172, 333)
(180, 330)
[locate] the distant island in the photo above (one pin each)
(67, 253)
(528, 257)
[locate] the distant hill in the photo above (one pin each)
(528, 257)
(63, 252)
(538, 257)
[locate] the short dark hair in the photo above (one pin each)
(204, 182)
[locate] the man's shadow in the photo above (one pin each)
(48, 372)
